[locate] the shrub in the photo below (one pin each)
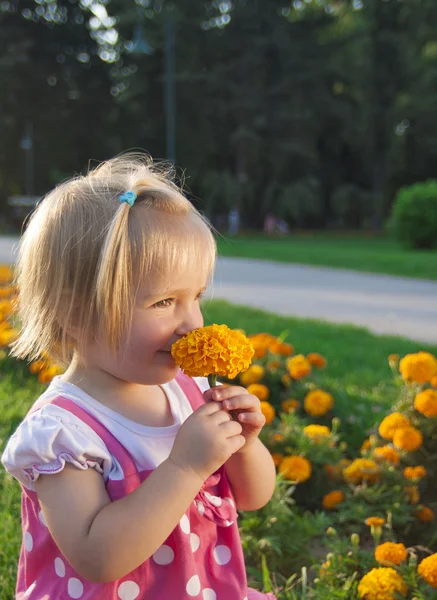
(414, 215)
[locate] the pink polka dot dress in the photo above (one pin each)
(201, 559)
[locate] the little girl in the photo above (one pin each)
(132, 473)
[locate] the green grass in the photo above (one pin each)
(357, 374)
(373, 255)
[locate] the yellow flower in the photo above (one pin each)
(408, 439)
(298, 366)
(331, 500)
(390, 554)
(415, 473)
(361, 469)
(7, 336)
(392, 423)
(316, 360)
(386, 453)
(424, 514)
(268, 411)
(316, 432)
(382, 584)
(261, 343)
(282, 348)
(259, 390)
(253, 374)
(428, 570)
(277, 458)
(426, 403)
(213, 350)
(295, 468)
(412, 494)
(317, 403)
(290, 405)
(6, 274)
(419, 367)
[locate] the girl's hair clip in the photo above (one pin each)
(128, 197)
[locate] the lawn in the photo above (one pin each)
(357, 375)
(369, 254)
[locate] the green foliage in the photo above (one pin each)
(414, 218)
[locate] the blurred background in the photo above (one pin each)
(310, 114)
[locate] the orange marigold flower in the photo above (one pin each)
(412, 494)
(253, 374)
(298, 366)
(318, 402)
(290, 405)
(268, 411)
(433, 381)
(428, 570)
(261, 343)
(426, 403)
(424, 514)
(418, 368)
(387, 453)
(286, 380)
(316, 360)
(382, 583)
(361, 469)
(278, 437)
(365, 446)
(213, 350)
(282, 348)
(317, 432)
(46, 375)
(408, 439)
(415, 473)
(391, 554)
(7, 336)
(392, 423)
(6, 274)
(37, 366)
(7, 291)
(332, 499)
(295, 468)
(277, 458)
(259, 390)
(273, 365)
(375, 521)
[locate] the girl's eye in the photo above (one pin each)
(163, 303)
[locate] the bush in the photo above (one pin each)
(414, 216)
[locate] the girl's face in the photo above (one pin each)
(163, 313)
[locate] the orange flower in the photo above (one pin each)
(424, 514)
(277, 347)
(426, 403)
(317, 403)
(386, 453)
(428, 570)
(412, 494)
(317, 432)
(286, 380)
(253, 374)
(6, 274)
(389, 554)
(433, 381)
(382, 584)
(365, 446)
(415, 473)
(277, 458)
(268, 411)
(316, 360)
(408, 439)
(375, 521)
(261, 343)
(46, 375)
(278, 437)
(331, 500)
(295, 468)
(259, 390)
(418, 368)
(392, 423)
(290, 405)
(273, 365)
(362, 469)
(298, 366)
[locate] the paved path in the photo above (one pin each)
(384, 304)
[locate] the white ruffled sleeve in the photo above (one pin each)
(47, 439)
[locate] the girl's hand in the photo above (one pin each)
(244, 406)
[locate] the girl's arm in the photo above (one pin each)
(252, 475)
(105, 540)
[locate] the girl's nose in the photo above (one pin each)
(191, 320)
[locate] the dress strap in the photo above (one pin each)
(115, 448)
(190, 389)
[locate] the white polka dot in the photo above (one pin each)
(193, 586)
(209, 594)
(59, 567)
(200, 507)
(75, 588)
(28, 541)
(222, 555)
(128, 590)
(194, 541)
(213, 499)
(164, 555)
(29, 590)
(41, 518)
(232, 503)
(185, 524)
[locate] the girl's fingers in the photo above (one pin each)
(253, 419)
(246, 402)
(221, 392)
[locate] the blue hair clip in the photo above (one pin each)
(128, 197)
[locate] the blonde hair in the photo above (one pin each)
(85, 254)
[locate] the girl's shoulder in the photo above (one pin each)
(48, 438)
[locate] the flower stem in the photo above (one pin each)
(212, 380)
